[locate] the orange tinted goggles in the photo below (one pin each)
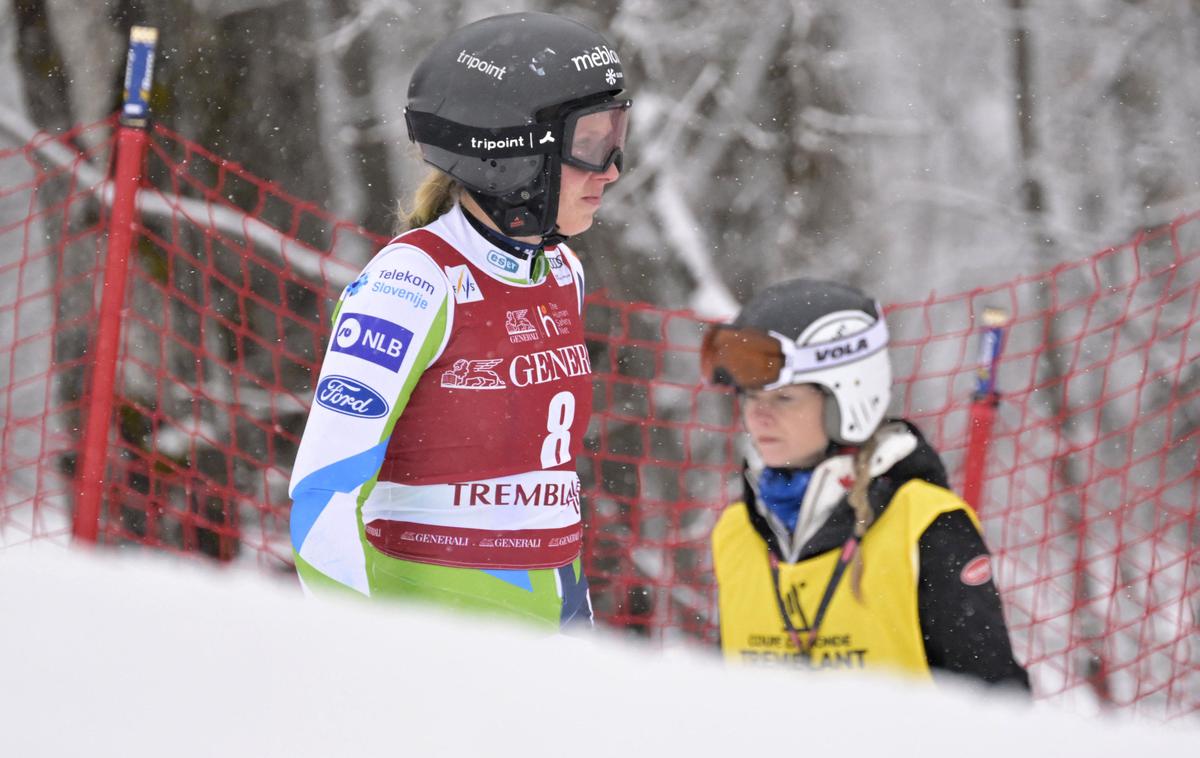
(746, 358)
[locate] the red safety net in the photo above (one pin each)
(1090, 499)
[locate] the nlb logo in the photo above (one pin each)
(600, 55)
(841, 351)
(372, 339)
(482, 66)
(348, 397)
(501, 261)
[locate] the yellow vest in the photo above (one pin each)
(880, 632)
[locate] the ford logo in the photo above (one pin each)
(346, 396)
(502, 261)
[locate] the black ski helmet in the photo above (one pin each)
(489, 105)
(841, 338)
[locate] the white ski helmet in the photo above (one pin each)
(808, 331)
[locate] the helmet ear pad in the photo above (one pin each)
(857, 394)
(831, 416)
(528, 208)
(855, 403)
(500, 176)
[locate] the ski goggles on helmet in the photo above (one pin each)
(590, 137)
(594, 136)
(751, 359)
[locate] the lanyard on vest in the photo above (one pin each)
(835, 579)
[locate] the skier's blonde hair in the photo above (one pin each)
(861, 503)
(434, 197)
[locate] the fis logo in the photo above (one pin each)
(466, 290)
(795, 611)
(372, 339)
(502, 261)
(611, 77)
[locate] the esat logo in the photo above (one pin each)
(466, 289)
(467, 374)
(372, 339)
(343, 395)
(503, 262)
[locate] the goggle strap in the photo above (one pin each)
(486, 144)
(801, 360)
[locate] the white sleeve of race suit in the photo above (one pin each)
(390, 324)
(576, 267)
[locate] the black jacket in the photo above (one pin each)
(962, 624)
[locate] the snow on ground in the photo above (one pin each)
(112, 654)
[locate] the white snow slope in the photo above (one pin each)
(110, 654)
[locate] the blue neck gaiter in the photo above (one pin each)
(781, 490)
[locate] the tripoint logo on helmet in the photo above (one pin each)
(600, 55)
(497, 144)
(482, 66)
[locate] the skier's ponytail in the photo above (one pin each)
(433, 198)
(860, 502)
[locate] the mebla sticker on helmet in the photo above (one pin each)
(348, 397)
(372, 339)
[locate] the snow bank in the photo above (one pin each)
(132, 655)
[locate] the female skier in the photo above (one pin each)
(848, 550)
(438, 461)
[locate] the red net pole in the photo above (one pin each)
(979, 435)
(131, 160)
(131, 157)
(983, 407)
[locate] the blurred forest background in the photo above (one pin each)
(929, 144)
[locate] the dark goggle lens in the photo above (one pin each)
(745, 358)
(597, 137)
